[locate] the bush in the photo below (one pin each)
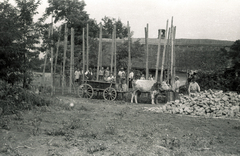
(221, 80)
(15, 98)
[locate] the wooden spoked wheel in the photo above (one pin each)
(110, 94)
(85, 91)
(160, 98)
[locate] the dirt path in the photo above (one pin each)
(98, 127)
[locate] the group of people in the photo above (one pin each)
(107, 76)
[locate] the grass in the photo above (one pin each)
(99, 127)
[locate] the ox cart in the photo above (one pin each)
(110, 91)
(90, 87)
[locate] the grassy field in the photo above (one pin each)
(109, 128)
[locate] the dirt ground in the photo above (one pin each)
(98, 127)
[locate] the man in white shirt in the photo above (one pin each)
(77, 75)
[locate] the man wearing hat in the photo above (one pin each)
(122, 77)
(176, 88)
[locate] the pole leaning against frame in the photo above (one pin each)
(99, 51)
(52, 58)
(158, 54)
(146, 46)
(164, 52)
(71, 60)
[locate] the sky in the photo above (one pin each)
(194, 19)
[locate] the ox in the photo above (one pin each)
(144, 86)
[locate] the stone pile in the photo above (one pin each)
(206, 103)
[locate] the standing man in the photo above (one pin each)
(131, 75)
(122, 77)
(77, 75)
(176, 88)
(101, 73)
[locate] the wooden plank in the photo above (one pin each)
(64, 57)
(168, 55)
(174, 54)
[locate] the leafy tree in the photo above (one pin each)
(235, 55)
(108, 24)
(137, 50)
(17, 40)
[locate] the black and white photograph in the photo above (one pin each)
(119, 78)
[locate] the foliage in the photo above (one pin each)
(137, 50)
(18, 40)
(235, 55)
(225, 81)
(14, 98)
(108, 24)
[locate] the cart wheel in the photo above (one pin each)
(160, 98)
(85, 91)
(110, 94)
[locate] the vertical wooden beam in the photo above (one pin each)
(164, 51)
(64, 57)
(99, 65)
(174, 54)
(158, 54)
(56, 57)
(45, 58)
(52, 57)
(129, 53)
(112, 51)
(83, 54)
(168, 55)
(172, 29)
(115, 50)
(71, 60)
(87, 47)
(146, 46)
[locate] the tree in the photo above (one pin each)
(17, 40)
(137, 50)
(235, 55)
(108, 24)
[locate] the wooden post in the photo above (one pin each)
(129, 54)
(112, 51)
(83, 55)
(146, 46)
(168, 56)
(56, 57)
(172, 78)
(174, 54)
(87, 47)
(52, 58)
(164, 51)
(99, 51)
(158, 54)
(64, 57)
(71, 60)
(115, 50)
(45, 59)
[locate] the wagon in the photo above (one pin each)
(89, 87)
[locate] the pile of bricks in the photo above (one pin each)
(206, 103)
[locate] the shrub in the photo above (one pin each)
(15, 98)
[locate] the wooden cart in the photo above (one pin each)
(89, 87)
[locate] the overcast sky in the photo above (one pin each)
(194, 19)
